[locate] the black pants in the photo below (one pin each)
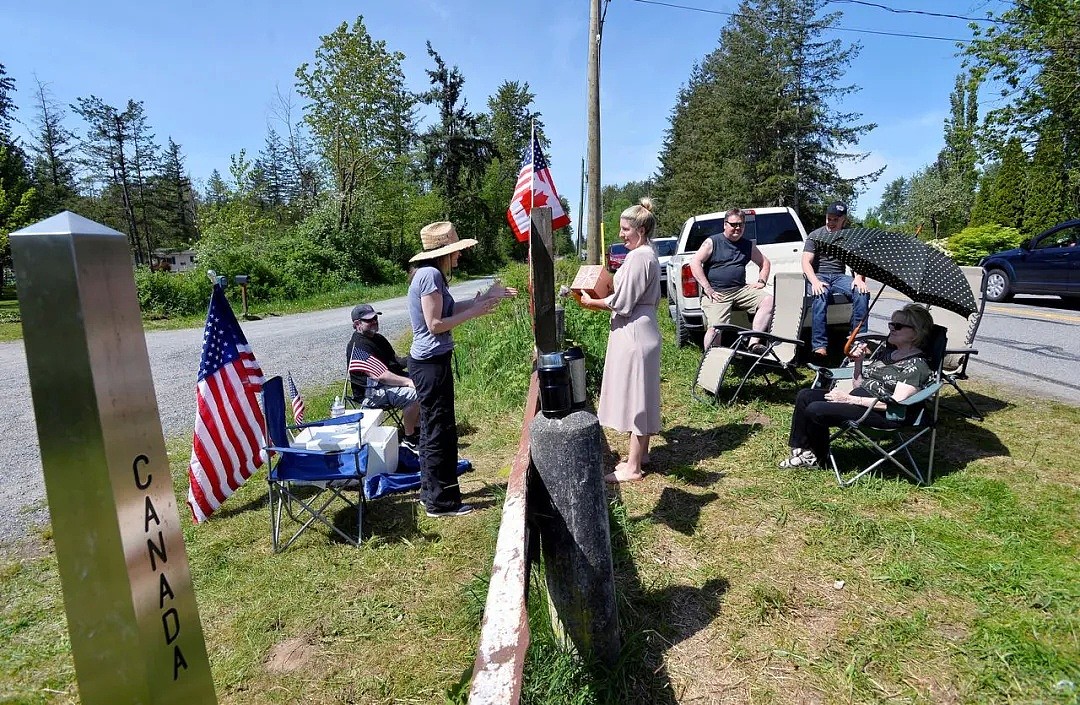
(434, 382)
(813, 416)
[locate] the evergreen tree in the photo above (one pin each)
(980, 209)
(217, 191)
(889, 213)
(52, 146)
(1046, 201)
(7, 104)
(781, 150)
(455, 157)
(177, 199)
(276, 177)
(1006, 203)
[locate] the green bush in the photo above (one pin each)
(163, 294)
(970, 245)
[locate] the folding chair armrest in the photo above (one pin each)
(307, 451)
(918, 397)
(724, 327)
(961, 351)
(840, 373)
(772, 337)
(350, 416)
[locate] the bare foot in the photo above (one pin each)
(624, 473)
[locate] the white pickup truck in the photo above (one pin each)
(779, 235)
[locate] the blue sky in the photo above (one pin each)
(208, 72)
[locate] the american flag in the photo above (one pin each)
(297, 401)
(365, 363)
(227, 446)
(534, 188)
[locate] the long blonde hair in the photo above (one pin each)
(641, 216)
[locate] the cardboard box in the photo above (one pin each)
(594, 280)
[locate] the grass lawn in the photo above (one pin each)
(736, 582)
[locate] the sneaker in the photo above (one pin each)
(758, 348)
(411, 442)
(800, 459)
(459, 511)
(821, 352)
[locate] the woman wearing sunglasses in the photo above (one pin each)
(899, 373)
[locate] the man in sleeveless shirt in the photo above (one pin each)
(719, 266)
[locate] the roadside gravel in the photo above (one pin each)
(310, 345)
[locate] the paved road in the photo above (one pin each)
(311, 345)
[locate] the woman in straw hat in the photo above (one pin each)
(434, 313)
(630, 392)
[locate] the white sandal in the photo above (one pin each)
(800, 459)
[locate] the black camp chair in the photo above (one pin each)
(905, 422)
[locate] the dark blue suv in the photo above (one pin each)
(1049, 264)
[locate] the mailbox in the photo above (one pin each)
(241, 279)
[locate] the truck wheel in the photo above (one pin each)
(682, 335)
(997, 286)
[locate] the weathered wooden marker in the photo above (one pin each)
(131, 612)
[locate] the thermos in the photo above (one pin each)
(554, 376)
(575, 360)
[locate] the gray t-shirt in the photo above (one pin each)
(823, 264)
(426, 344)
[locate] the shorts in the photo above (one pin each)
(389, 397)
(745, 298)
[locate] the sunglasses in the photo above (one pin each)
(893, 325)
(735, 224)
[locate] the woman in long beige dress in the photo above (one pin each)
(630, 393)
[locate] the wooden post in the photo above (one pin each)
(542, 267)
(569, 506)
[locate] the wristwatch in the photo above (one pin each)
(762, 281)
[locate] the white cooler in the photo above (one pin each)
(382, 450)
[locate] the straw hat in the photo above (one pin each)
(440, 239)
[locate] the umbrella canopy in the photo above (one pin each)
(907, 264)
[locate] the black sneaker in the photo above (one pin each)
(459, 511)
(411, 442)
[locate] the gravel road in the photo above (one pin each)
(311, 345)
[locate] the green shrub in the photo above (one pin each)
(970, 245)
(164, 294)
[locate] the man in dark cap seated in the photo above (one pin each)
(825, 275)
(377, 375)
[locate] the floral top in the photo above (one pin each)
(880, 377)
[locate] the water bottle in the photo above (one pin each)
(337, 409)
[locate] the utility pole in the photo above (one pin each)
(595, 30)
(581, 207)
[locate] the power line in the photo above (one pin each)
(841, 29)
(901, 11)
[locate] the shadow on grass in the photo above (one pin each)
(686, 446)
(960, 441)
(680, 509)
(952, 404)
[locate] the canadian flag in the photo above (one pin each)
(534, 188)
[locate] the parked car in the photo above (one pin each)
(1048, 264)
(616, 253)
(665, 248)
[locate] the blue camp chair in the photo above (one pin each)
(305, 484)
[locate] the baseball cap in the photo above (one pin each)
(364, 312)
(837, 208)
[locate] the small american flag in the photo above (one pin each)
(227, 446)
(297, 401)
(365, 363)
(534, 188)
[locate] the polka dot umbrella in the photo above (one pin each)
(905, 263)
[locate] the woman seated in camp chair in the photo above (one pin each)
(900, 372)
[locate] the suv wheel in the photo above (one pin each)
(997, 286)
